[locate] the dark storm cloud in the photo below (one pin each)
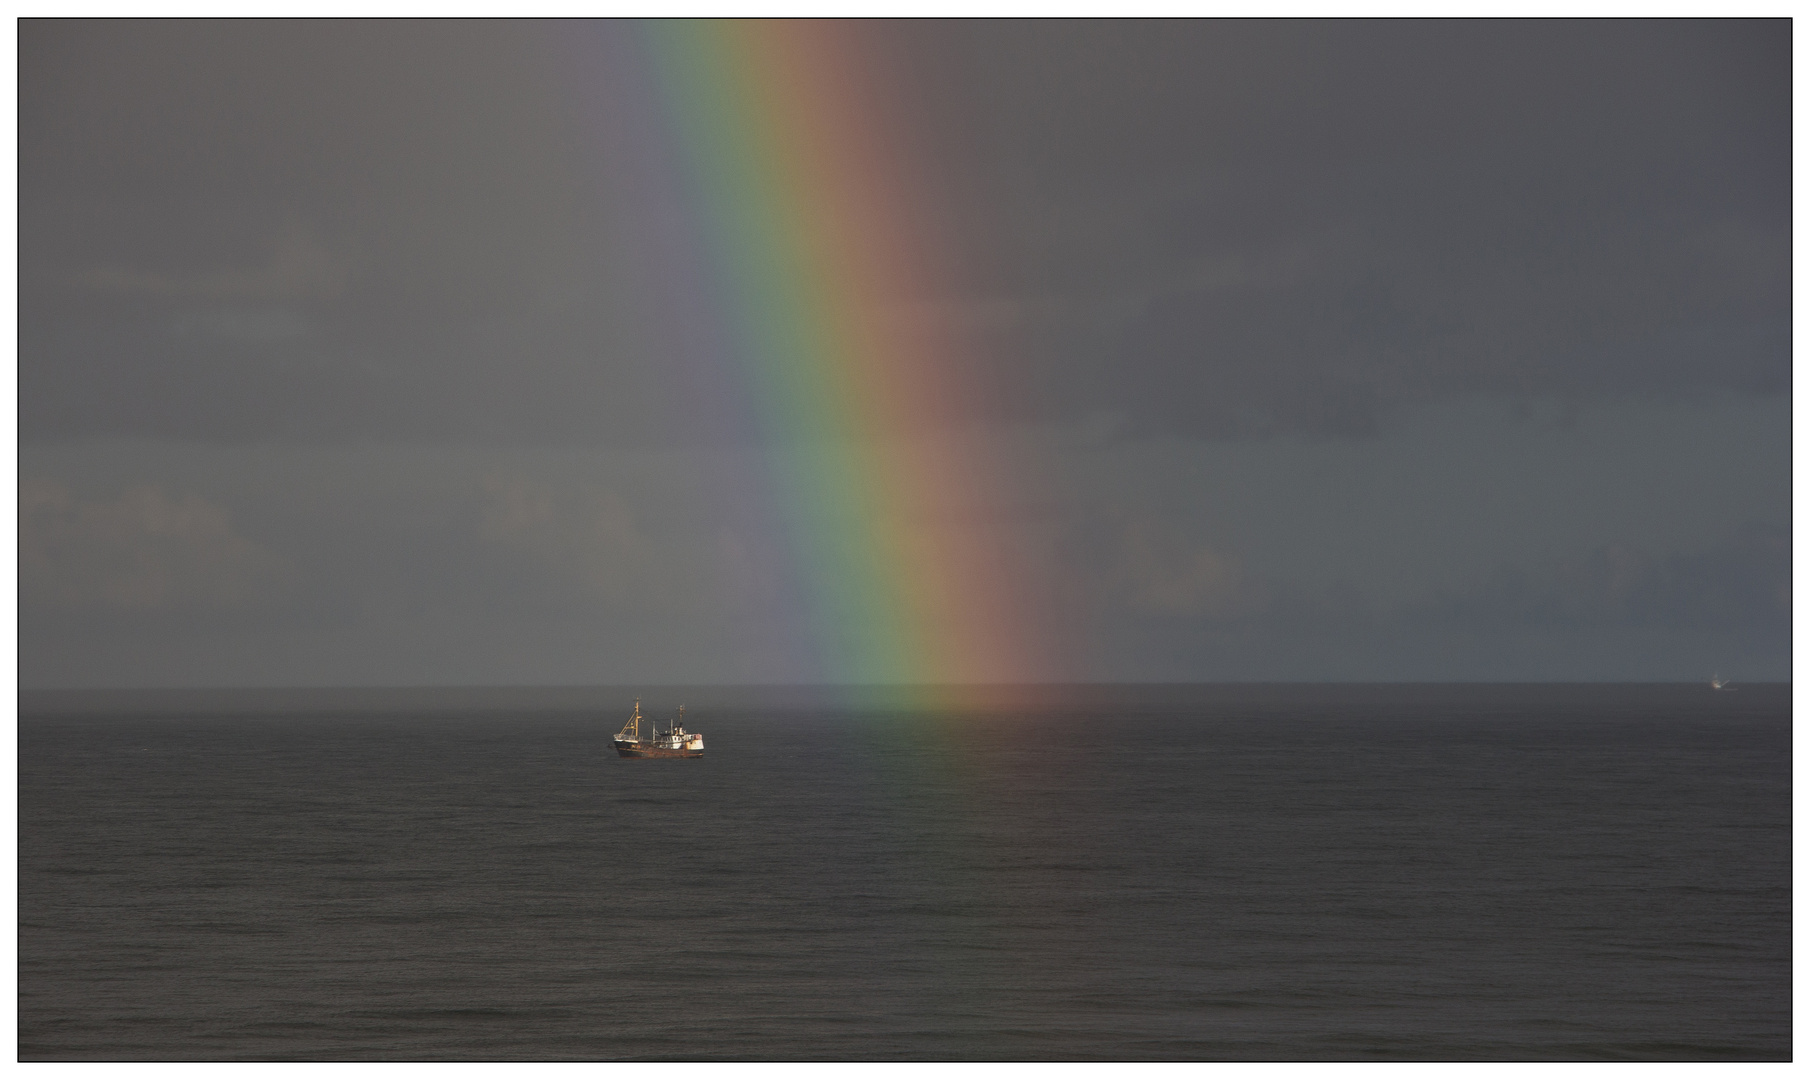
(1467, 542)
(1742, 585)
(1616, 611)
(308, 230)
(1247, 226)
(286, 564)
(411, 230)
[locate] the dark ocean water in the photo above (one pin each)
(1207, 873)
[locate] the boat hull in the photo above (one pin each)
(632, 751)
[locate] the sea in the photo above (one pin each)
(1184, 873)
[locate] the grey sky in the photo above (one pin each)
(1371, 350)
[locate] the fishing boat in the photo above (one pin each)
(675, 741)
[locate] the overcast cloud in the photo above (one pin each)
(1324, 350)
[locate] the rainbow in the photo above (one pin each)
(794, 189)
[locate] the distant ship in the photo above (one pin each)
(1717, 682)
(675, 741)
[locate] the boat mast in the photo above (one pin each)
(633, 727)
